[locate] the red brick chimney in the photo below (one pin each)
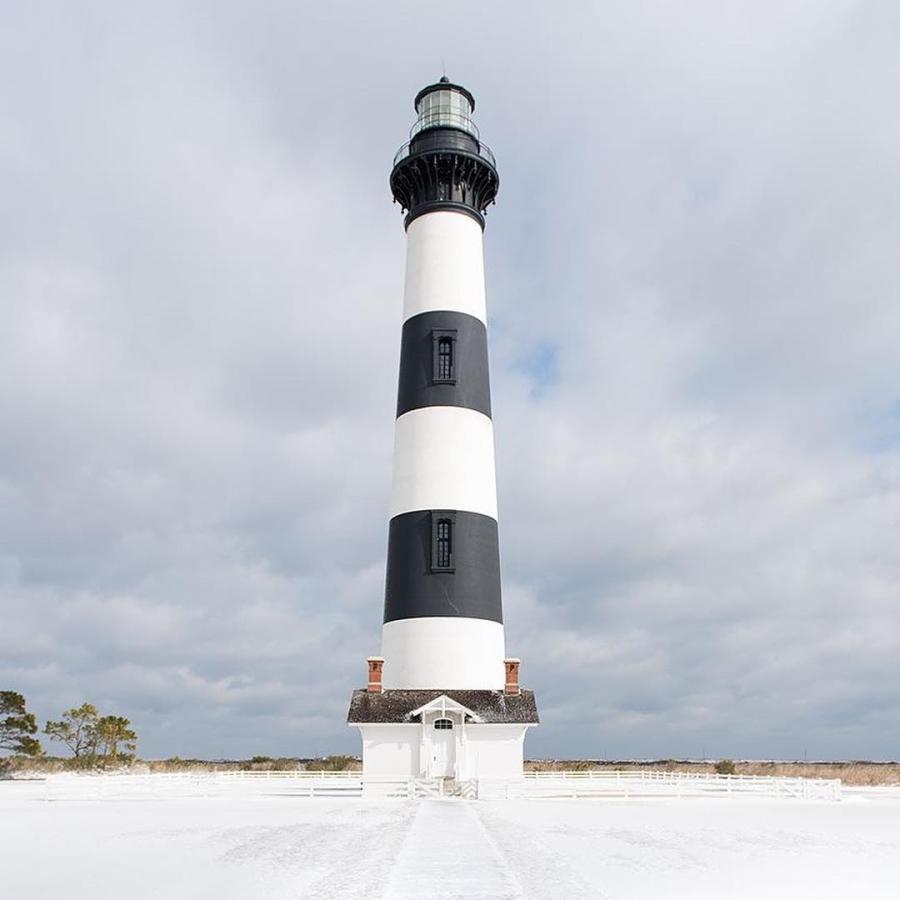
(512, 676)
(375, 665)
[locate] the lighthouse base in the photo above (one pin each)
(459, 735)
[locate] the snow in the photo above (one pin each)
(259, 841)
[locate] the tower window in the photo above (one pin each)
(442, 525)
(442, 724)
(444, 356)
(443, 544)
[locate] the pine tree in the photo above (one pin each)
(17, 726)
(77, 730)
(113, 731)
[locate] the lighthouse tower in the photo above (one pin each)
(443, 699)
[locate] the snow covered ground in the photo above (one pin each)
(258, 841)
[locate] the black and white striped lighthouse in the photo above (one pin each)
(442, 639)
(443, 624)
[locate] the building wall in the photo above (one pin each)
(404, 751)
(391, 751)
(493, 751)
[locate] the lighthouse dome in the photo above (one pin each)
(444, 105)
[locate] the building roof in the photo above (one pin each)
(398, 707)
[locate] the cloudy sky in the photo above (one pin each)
(693, 274)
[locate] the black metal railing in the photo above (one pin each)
(484, 152)
(444, 117)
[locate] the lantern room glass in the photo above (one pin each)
(444, 109)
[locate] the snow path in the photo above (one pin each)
(448, 854)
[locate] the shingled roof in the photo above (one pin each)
(395, 706)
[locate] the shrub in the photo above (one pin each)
(334, 764)
(724, 767)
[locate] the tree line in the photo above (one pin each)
(91, 737)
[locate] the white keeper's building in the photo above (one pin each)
(443, 699)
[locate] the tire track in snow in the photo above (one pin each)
(448, 854)
(543, 872)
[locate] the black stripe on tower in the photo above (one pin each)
(425, 577)
(444, 362)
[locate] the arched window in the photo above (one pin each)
(444, 543)
(443, 352)
(445, 358)
(442, 724)
(443, 551)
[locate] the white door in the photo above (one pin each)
(443, 749)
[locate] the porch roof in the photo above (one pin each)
(398, 706)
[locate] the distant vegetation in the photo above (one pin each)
(48, 765)
(257, 764)
(335, 764)
(850, 772)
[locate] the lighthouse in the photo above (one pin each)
(443, 699)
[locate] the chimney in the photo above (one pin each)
(375, 665)
(512, 676)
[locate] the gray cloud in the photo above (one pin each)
(692, 277)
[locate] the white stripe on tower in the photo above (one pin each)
(450, 652)
(444, 459)
(444, 265)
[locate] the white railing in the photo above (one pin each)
(215, 784)
(533, 785)
(188, 784)
(267, 775)
(467, 789)
(642, 782)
